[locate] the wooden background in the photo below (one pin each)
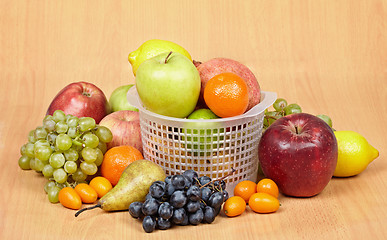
(329, 56)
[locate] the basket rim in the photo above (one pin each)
(267, 99)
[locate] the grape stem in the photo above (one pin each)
(220, 179)
(88, 208)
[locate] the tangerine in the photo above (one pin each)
(226, 94)
(245, 189)
(116, 159)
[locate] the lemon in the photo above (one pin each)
(355, 153)
(152, 48)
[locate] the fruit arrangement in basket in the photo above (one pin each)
(203, 128)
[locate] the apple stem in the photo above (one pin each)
(296, 129)
(166, 59)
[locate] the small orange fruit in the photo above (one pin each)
(116, 159)
(234, 206)
(245, 189)
(87, 193)
(263, 203)
(268, 186)
(69, 198)
(226, 94)
(101, 185)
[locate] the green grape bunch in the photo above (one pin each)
(282, 108)
(65, 150)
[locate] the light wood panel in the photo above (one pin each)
(328, 56)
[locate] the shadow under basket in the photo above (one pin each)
(210, 147)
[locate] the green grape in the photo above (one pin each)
(24, 162)
(68, 116)
(32, 163)
(43, 153)
(99, 160)
(63, 142)
(292, 108)
(73, 132)
(61, 127)
(104, 134)
(41, 142)
(70, 167)
(90, 140)
(60, 176)
(30, 150)
(40, 133)
(71, 155)
(89, 155)
(88, 168)
(59, 115)
(79, 175)
(48, 117)
(325, 118)
(280, 104)
(31, 136)
(49, 185)
(57, 160)
(86, 123)
(72, 121)
(23, 149)
(49, 124)
(103, 147)
(62, 185)
(270, 117)
(39, 165)
(48, 171)
(53, 193)
(51, 137)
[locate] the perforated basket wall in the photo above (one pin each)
(210, 147)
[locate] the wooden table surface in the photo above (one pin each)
(328, 56)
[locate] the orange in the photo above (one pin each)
(267, 185)
(263, 203)
(226, 94)
(245, 189)
(234, 206)
(116, 159)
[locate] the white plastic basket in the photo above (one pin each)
(210, 147)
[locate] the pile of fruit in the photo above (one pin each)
(89, 154)
(180, 200)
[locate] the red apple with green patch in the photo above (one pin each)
(125, 127)
(81, 99)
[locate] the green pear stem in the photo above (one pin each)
(166, 59)
(88, 208)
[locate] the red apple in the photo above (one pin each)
(299, 153)
(81, 99)
(215, 66)
(125, 127)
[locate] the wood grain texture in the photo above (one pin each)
(329, 56)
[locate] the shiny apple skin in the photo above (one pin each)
(81, 99)
(125, 127)
(299, 153)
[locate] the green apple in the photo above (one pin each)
(202, 134)
(168, 84)
(118, 100)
